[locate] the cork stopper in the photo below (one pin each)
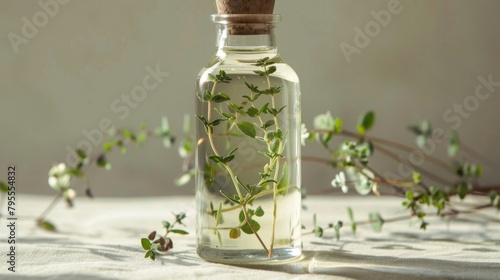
(247, 17)
(245, 6)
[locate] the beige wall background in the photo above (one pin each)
(61, 79)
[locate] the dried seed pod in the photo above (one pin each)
(165, 244)
(170, 244)
(152, 235)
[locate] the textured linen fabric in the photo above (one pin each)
(100, 239)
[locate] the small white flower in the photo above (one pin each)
(59, 179)
(339, 182)
(363, 180)
(304, 134)
(69, 196)
(324, 121)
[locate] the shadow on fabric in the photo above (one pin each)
(358, 266)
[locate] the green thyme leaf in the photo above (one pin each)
(376, 221)
(284, 181)
(259, 212)
(232, 199)
(218, 218)
(454, 144)
(337, 125)
(166, 224)
(107, 146)
(221, 97)
(150, 254)
(179, 231)
(102, 162)
(337, 227)
(46, 225)
(4, 187)
(81, 153)
(146, 244)
(246, 228)
(354, 225)
(247, 128)
(462, 190)
(252, 112)
(234, 233)
(365, 122)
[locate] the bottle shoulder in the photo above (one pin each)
(247, 64)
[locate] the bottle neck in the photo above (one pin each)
(246, 33)
(231, 40)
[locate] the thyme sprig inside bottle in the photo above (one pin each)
(248, 150)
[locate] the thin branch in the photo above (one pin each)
(49, 208)
(245, 212)
(429, 174)
(486, 189)
(380, 178)
(399, 146)
(317, 159)
(468, 150)
(453, 213)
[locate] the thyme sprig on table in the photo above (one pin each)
(163, 243)
(424, 192)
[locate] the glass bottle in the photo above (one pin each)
(248, 146)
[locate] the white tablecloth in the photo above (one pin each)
(100, 239)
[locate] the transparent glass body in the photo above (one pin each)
(248, 151)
